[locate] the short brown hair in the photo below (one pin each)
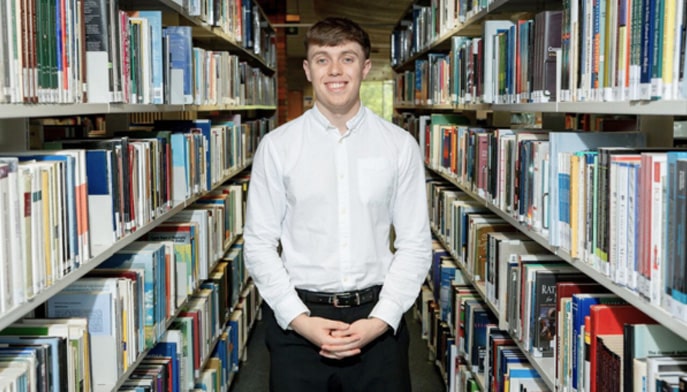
(335, 31)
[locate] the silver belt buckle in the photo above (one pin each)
(337, 304)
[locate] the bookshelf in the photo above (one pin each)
(216, 31)
(429, 28)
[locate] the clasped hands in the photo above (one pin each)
(336, 339)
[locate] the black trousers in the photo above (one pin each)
(297, 366)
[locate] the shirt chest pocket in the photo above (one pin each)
(375, 180)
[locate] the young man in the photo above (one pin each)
(327, 187)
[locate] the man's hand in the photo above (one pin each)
(324, 332)
(363, 331)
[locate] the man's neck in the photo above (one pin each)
(339, 119)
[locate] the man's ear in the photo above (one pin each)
(367, 66)
(306, 68)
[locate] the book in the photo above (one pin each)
(643, 340)
(98, 300)
(581, 307)
(547, 31)
(98, 56)
(605, 320)
(57, 354)
(149, 257)
(491, 27)
(75, 330)
(180, 64)
(565, 290)
(562, 142)
(543, 318)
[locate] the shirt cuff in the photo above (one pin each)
(288, 309)
(389, 312)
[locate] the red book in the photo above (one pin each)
(608, 320)
(566, 290)
(195, 316)
(482, 163)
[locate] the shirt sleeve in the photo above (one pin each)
(413, 242)
(265, 210)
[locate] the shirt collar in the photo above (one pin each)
(352, 124)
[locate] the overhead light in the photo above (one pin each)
(293, 18)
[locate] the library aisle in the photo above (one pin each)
(254, 374)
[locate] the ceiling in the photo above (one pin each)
(378, 18)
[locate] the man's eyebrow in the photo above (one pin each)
(325, 53)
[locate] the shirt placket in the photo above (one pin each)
(344, 183)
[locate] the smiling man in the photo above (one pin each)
(326, 189)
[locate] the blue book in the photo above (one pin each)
(234, 338)
(648, 32)
(185, 326)
(436, 271)
(35, 353)
(581, 304)
(184, 236)
(447, 277)
(57, 353)
(181, 175)
(561, 142)
(155, 22)
(151, 258)
(248, 34)
(505, 357)
(102, 198)
(674, 248)
(510, 64)
(468, 310)
(481, 318)
(220, 352)
(197, 128)
(181, 53)
(234, 258)
(205, 127)
(169, 350)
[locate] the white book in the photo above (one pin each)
(5, 239)
(491, 27)
(34, 231)
(658, 202)
(176, 337)
(632, 219)
(510, 244)
(13, 376)
(677, 53)
(656, 366)
(200, 218)
(16, 248)
(98, 300)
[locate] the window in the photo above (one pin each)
(379, 97)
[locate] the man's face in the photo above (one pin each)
(336, 73)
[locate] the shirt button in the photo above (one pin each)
(343, 211)
(341, 176)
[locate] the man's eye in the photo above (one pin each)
(321, 61)
(348, 60)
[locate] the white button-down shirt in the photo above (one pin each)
(331, 199)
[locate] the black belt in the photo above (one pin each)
(341, 300)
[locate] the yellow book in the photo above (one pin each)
(668, 47)
(574, 203)
(47, 215)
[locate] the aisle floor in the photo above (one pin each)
(254, 373)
